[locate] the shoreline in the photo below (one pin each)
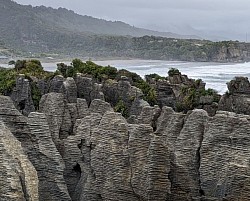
(102, 59)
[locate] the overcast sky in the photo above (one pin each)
(225, 18)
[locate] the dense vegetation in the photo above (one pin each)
(31, 69)
(190, 97)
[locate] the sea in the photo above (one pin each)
(215, 75)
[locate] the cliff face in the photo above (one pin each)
(81, 152)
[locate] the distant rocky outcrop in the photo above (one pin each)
(237, 99)
(122, 90)
(183, 94)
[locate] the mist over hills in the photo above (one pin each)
(22, 25)
(42, 32)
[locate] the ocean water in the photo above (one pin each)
(215, 75)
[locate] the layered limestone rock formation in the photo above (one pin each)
(224, 164)
(18, 180)
(237, 99)
(180, 92)
(88, 89)
(122, 90)
(47, 160)
(21, 96)
(86, 151)
(36, 140)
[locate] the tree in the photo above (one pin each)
(20, 64)
(11, 62)
(62, 68)
(173, 71)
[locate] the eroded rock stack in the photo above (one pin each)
(18, 179)
(21, 95)
(237, 99)
(75, 150)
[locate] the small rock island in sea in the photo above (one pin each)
(91, 133)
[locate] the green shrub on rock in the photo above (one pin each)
(173, 71)
(121, 107)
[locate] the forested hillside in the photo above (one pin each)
(22, 25)
(36, 31)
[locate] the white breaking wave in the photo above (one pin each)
(216, 75)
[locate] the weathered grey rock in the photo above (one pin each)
(138, 146)
(43, 86)
(148, 115)
(21, 96)
(122, 149)
(47, 160)
(224, 170)
(159, 164)
(206, 100)
(189, 156)
(186, 180)
(96, 92)
(99, 106)
(82, 108)
(239, 85)
(16, 122)
(238, 103)
(169, 126)
(165, 94)
(121, 91)
(137, 106)
(56, 84)
(36, 140)
(84, 87)
(110, 91)
(18, 179)
(211, 109)
(238, 98)
(113, 178)
(69, 90)
(78, 172)
(53, 106)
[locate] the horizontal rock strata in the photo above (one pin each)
(82, 151)
(18, 180)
